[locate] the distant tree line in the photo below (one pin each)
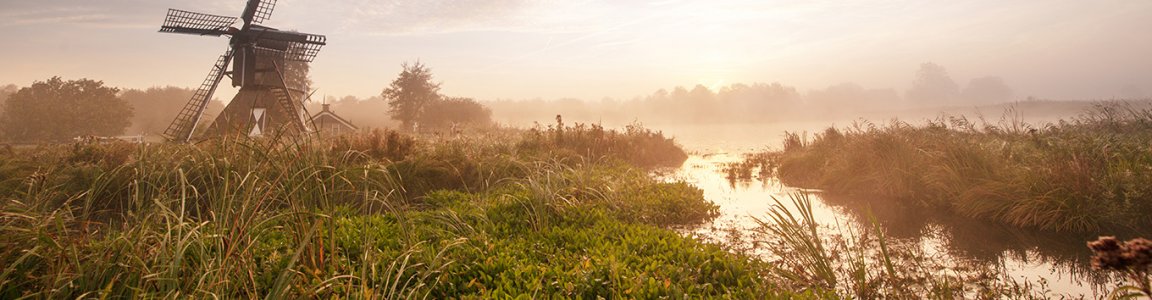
(156, 107)
(763, 102)
(411, 101)
(5, 91)
(57, 110)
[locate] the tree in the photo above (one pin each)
(6, 91)
(297, 74)
(58, 110)
(933, 86)
(448, 111)
(850, 98)
(410, 93)
(987, 90)
(155, 108)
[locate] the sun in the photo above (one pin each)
(714, 67)
(713, 84)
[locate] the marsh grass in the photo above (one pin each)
(865, 263)
(377, 216)
(507, 215)
(1089, 174)
(635, 144)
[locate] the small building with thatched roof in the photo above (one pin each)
(328, 123)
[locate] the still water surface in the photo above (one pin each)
(1058, 261)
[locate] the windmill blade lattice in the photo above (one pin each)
(184, 125)
(305, 52)
(180, 21)
(264, 11)
(258, 11)
(300, 47)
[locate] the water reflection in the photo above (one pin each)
(1059, 261)
(1060, 258)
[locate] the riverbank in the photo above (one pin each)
(562, 212)
(1088, 174)
(377, 215)
(933, 241)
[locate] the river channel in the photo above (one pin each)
(1057, 262)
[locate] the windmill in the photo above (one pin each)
(268, 65)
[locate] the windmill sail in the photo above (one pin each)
(186, 22)
(258, 11)
(268, 65)
(186, 121)
(306, 52)
(264, 11)
(297, 46)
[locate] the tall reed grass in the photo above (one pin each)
(382, 215)
(864, 263)
(1089, 174)
(635, 144)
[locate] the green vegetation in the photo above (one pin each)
(866, 264)
(415, 101)
(381, 215)
(637, 145)
(1090, 174)
(153, 109)
(410, 92)
(56, 110)
(561, 212)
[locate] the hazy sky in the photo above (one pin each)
(592, 49)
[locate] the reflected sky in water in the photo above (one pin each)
(1058, 260)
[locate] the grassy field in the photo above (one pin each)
(378, 215)
(559, 212)
(1089, 174)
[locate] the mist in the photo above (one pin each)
(492, 149)
(933, 92)
(1064, 50)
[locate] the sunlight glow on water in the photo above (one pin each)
(1059, 262)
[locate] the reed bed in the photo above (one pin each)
(379, 215)
(1088, 174)
(864, 263)
(636, 144)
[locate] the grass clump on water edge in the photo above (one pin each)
(1085, 175)
(635, 144)
(866, 264)
(377, 216)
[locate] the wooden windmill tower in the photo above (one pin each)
(269, 65)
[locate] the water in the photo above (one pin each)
(1058, 261)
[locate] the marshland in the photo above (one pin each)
(563, 210)
(589, 149)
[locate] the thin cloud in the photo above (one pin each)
(437, 16)
(105, 14)
(51, 16)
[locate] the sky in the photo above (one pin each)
(524, 49)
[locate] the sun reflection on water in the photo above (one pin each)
(1056, 261)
